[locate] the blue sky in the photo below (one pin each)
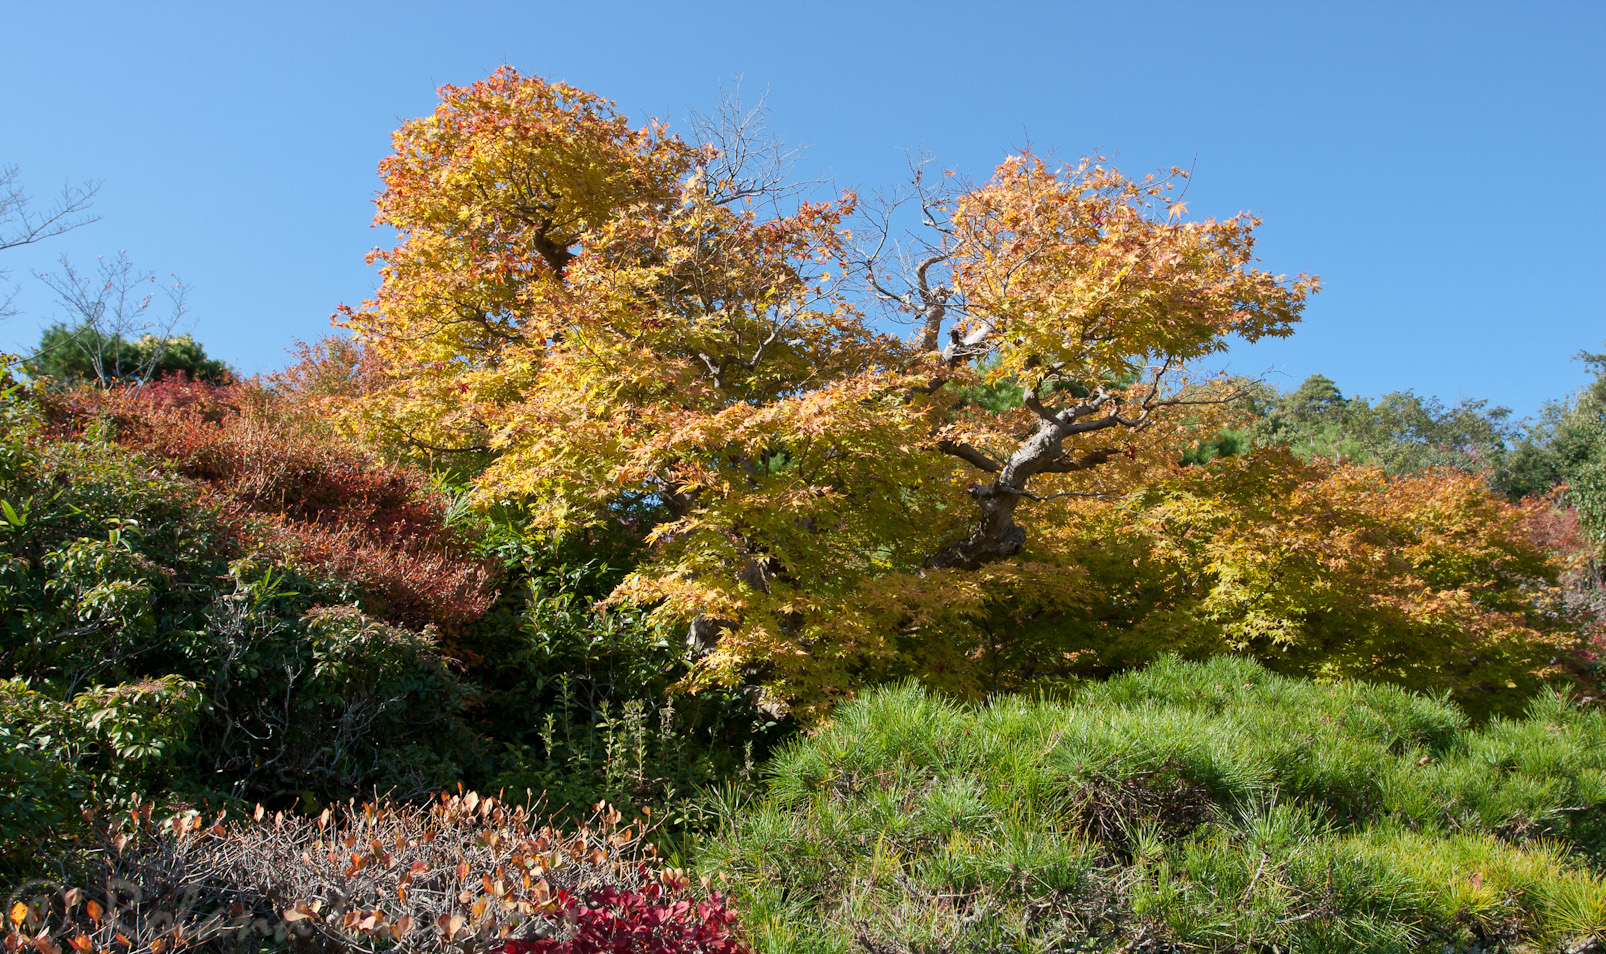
(1438, 164)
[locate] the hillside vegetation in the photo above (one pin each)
(622, 552)
(1189, 806)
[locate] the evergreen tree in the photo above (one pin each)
(84, 353)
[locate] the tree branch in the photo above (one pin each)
(1069, 465)
(19, 227)
(970, 455)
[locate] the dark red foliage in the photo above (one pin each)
(649, 921)
(1558, 529)
(318, 500)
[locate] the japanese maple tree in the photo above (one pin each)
(612, 324)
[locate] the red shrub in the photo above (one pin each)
(324, 502)
(1556, 527)
(1582, 595)
(653, 920)
(331, 368)
(403, 580)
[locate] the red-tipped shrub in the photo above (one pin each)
(334, 368)
(652, 920)
(322, 502)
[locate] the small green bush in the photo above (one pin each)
(1187, 806)
(579, 696)
(147, 648)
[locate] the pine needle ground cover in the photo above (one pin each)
(1187, 807)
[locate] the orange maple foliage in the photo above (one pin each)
(1326, 570)
(596, 314)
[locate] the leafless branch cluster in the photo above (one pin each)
(114, 307)
(1108, 809)
(458, 875)
(21, 226)
(746, 160)
(900, 266)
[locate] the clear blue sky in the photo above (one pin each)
(1438, 164)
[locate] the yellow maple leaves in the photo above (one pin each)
(578, 316)
(1081, 268)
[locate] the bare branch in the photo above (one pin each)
(925, 300)
(18, 226)
(418, 442)
(746, 160)
(113, 309)
(716, 369)
(1071, 465)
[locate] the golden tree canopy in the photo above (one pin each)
(618, 328)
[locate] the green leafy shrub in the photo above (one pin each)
(58, 757)
(580, 696)
(1184, 807)
(117, 576)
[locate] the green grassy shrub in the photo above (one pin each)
(1188, 806)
